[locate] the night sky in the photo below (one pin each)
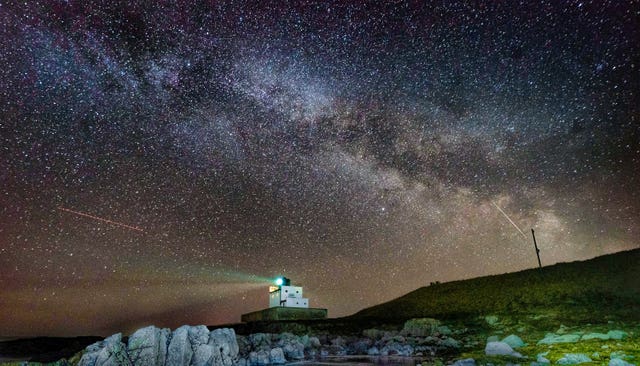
(361, 149)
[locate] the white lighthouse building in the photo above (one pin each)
(285, 295)
(286, 302)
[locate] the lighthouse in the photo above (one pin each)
(285, 295)
(286, 302)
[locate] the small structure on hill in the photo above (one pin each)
(285, 303)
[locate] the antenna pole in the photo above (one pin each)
(536, 245)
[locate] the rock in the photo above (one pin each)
(619, 362)
(293, 350)
(420, 327)
(179, 352)
(373, 351)
(164, 338)
(500, 349)
(225, 342)
(276, 356)
(259, 340)
(198, 335)
(205, 355)
(551, 338)
(492, 320)
(338, 341)
(144, 347)
(450, 343)
(617, 334)
(396, 349)
(444, 330)
(514, 341)
(465, 362)
(601, 336)
(314, 342)
(109, 352)
(361, 346)
(542, 359)
(260, 358)
(573, 359)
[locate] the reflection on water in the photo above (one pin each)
(360, 361)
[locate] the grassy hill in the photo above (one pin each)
(591, 290)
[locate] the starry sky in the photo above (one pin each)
(161, 161)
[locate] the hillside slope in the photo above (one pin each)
(603, 287)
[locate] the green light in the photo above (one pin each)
(279, 281)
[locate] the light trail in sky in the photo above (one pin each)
(511, 221)
(102, 219)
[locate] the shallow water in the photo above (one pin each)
(360, 361)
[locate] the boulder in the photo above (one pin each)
(259, 358)
(276, 356)
(573, 359)
(551, 338)
(179, 352)
(600, 336)
(373, 351)
(500, 349)
(144, 347)
(465, 362)
(205, 355)
(514, 341)
(260, 340)
(617, 334)
(619, 362)
(109, 352)
(224, 341)
(198, 335)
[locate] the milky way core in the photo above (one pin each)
(358, 148)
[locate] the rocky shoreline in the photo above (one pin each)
(422, 341)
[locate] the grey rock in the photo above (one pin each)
(198, 335)
(542, 359)
(143, 347)
(465, 362)
(619, 362)
(259, 358)
(492, 320)
(179, 352)
(514, 341)
(293, 350)
(314, 342)
(573, 359)
(450, 343)
(373, 351)
(500, 349)
(259, 340)
(164, 338)
(551, 338)
(276, 356)
(203, 355)
(225, 342)
(109, 352)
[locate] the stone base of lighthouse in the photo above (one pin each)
(284, 313)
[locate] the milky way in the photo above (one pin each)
(358, 148)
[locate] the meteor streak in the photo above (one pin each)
(101, 219)
(511, 221)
